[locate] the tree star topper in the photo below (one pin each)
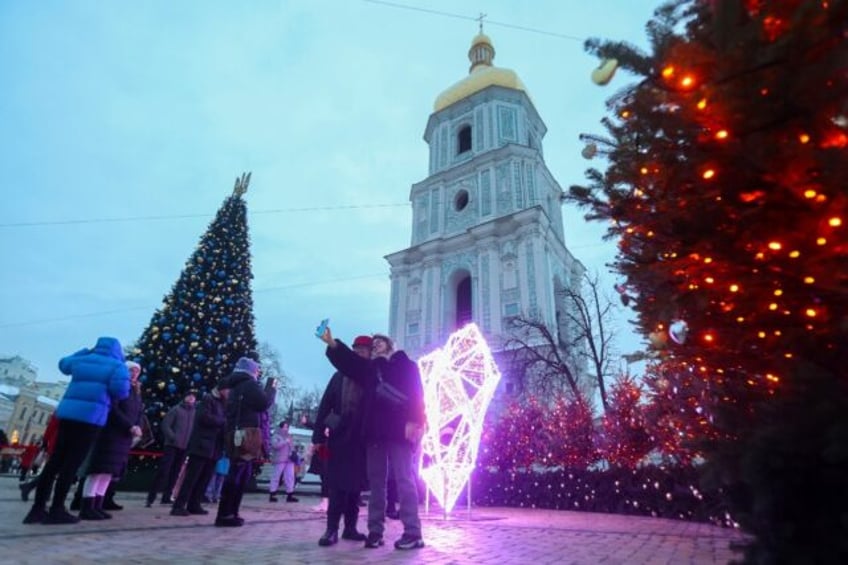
(241, 184)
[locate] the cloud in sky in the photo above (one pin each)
(126, 110)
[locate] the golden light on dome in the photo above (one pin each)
(809, 193)
(708, 260)
(821, 241)
(773, 306)
(721, 134)
(761, 335)
(778, 292)
(734, 288)
(795, 254)
(708, 174)
(740, 319)
(709, 280)
(834, 222)
(809, 280)
(687, 81)
(775, 246)
(702, 103)
(668, 72)
(772, 378)
(804, 138)
(810, 312)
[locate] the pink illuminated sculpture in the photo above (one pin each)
(459, 381)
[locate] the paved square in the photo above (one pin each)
(288, 533)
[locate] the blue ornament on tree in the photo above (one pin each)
(166, 336)
(180, 327)
(172, 388)
(197, 377)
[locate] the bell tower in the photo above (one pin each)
(487, 239)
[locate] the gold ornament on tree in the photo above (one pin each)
(605, 71)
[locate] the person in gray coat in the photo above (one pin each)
(176, 431)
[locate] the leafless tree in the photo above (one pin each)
(549, 363)
(269, 359)
(589, 315)
(538, 361)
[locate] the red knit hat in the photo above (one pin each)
(362, 341)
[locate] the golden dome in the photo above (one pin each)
(482, 74)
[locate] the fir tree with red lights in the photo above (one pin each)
(206, 322)
(726, 190)
(625, 429)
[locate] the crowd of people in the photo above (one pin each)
(365, 438)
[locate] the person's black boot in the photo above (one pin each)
(59, 515)
(87, 511)
(330, 537)
(98, 507)
(26, 488)
(272, 497)
(109, 499)
(36, 515)
(291, 498)
(353, 535)
(76, 501)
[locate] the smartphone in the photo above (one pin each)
(322, 327)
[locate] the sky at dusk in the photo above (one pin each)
(124, 125)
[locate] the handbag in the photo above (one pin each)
(389, 394)
(244, 443)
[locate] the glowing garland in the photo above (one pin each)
(459, 381)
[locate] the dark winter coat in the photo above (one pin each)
(248, 401)
(345, 467)
(98, 377)
(176, 425)
(382, 421)
(112, 450)
(210, 421)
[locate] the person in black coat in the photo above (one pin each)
(111, 452)
(339, 428)
(393, 405)
(247, 406)
(204, 448)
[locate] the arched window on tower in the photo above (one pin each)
(463, 301)
(463, 141)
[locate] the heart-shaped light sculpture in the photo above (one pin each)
(459, 381)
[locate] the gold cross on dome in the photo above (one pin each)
(480, 20)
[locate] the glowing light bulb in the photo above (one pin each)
(804, 138)
(778, 292)
(795, 254)
(668, 71)
(809, 193)
(708, 260)
(775, 246)
(811, 312)
(761, 335)
(809, 280)
(702, 103)
(709, 280)
(687, 82)
(821, 241)
(834, 222)
(721, 134)
(734, 288)
(772, 306)
(708, 174)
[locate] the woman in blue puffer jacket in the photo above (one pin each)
(98, 377)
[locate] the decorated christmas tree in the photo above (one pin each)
(726, 190)
(626, 439)
(206, 322)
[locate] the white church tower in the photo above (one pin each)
(487, 235)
